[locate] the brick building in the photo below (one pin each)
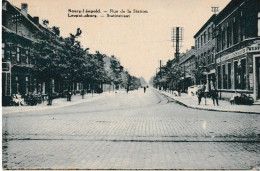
(187, 63)
(20, 33)
(205, 48)
(237, 30)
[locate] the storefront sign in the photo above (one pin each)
(232, 55)
(254, 48)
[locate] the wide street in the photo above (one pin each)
(130, 131)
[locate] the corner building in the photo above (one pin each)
(237, 36)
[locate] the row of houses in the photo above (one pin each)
(226, 54)
(20, 33)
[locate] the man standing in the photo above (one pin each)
(199, 96)
(144, 89)
(82, 93)
(214, 95)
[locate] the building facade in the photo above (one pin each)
(237, 30)
(21, 33)
(187, 65)
(205, 49)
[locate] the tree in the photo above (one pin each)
(116, 71)
(45, 22)
(56, 30)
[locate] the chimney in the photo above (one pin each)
(4, 5)
(36, 20)
(24, 9)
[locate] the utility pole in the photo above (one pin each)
(160, 68)
(177, 38)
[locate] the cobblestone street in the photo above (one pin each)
(130, 131)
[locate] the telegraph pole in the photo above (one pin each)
(177, 38)
(160, 68)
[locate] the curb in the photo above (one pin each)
(219, 110)
(45, 107)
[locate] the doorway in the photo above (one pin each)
(257, 77)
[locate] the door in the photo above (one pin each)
(257, 62)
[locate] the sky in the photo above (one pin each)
(141, 40)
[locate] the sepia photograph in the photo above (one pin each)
(130, 84)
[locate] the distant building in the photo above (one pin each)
(237, 31)
(187, 63)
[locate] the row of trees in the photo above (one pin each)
(66, 61)
(169, 75)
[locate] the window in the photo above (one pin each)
(205, 37)
(209, 57)
(212, 56)
(235, 32)
(240, 74)
(18, 54)
(224, 74)
(209, 33)
(27, 56)
(242, 27)
(223, 35)
(27, 85)
(219, 78)
(229, 76)
(3, 50)
(259, 24)
(243, 74)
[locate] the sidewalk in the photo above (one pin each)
(57, 103)
(224, 106)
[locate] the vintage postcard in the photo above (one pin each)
(130, 84)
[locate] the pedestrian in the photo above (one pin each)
(199, 96)
(204, 94)
(214, 95)
(68, 96)
(82, 93)
(144, 89)
(50, 98)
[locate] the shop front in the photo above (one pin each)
(238, 72)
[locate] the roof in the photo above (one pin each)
(211, 19)
(27, 18)
(6, 30)
(232, 5)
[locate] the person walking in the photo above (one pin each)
(204, 94)
(82, 93)
(199, 96)
(50, 98)
(214, 95)
(144, 89)
(68, 96)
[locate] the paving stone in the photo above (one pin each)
(130, 131)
